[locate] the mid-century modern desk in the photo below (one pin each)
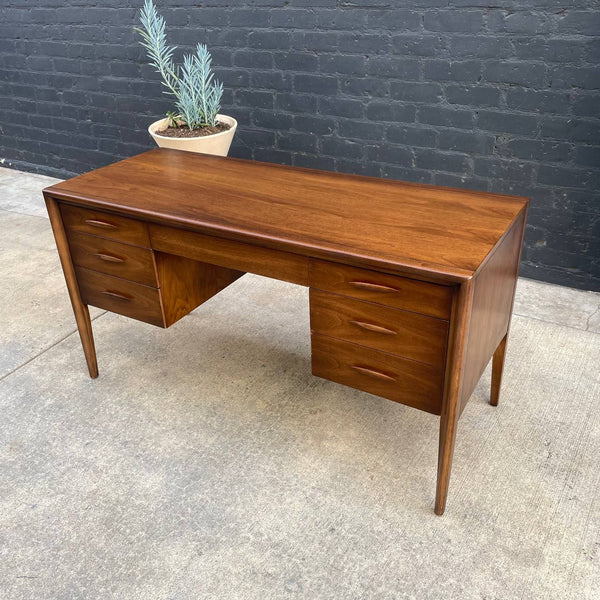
(411, 286)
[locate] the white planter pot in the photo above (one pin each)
(217, 143)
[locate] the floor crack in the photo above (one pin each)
(587, 324)
(516, 314)
(3, 377)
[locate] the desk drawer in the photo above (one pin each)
(106, 225)
(398, 292)
(113, 258)
(120, 296)
(231, 254)
(379, 373)
(400, 332)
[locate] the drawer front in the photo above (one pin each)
(379, 373)
(399, 292)
(120, 296)
(106, 225)
(400, 332)
(231, 254)
(113, 258)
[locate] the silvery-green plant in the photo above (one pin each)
(197, 93)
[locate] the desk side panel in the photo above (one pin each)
(493, 293)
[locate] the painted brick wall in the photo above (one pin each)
(450, 92)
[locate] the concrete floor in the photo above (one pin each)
(207, 462)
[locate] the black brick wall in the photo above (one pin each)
(450, 92)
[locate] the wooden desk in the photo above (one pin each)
(411, 286)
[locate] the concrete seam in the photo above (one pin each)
(6, 375)
(560, 324)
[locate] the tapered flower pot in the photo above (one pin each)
(216, 143)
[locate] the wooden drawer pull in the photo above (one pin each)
(101, 224)
(372, 327)
(373, 373)
(375, 287)
(117, 295)
(109, 257)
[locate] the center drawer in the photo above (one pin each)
(399, 332)
(113, 258)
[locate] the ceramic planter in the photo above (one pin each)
(217, 143)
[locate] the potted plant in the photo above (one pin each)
(195, 125)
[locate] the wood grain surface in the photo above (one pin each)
(493, 295)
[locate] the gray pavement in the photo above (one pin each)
(207, 462)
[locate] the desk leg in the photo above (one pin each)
(500, 352)
(461, 311)
(497, 368)
(448, 425)
(82, 314)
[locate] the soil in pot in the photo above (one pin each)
(183, 131)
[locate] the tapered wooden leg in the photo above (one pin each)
(82, 314)
(84, 325)
(448, 425)
(461, 310)
(497, 368)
